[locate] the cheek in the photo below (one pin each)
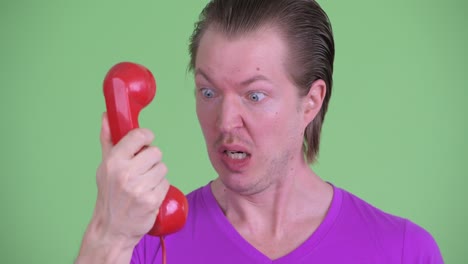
(205, 118)
(285, 127)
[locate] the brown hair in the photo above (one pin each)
(308, 32)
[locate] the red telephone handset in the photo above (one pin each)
(128, 88)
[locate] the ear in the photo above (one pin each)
(313, 100)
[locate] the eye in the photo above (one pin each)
(256, 96)
(207, 93)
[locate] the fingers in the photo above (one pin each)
(131, 180)
(105, 136)
(150, 180)
(160, 192)
(129, 145)
(149, 171)
(150, 189)
(146, 159)
(157, 195)
(133, 142)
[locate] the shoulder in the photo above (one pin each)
(196, 196)
(200, 201)
(356, 209)
(399, 235)
(419, 246)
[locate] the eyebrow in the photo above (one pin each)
(251, 80)
(254, 79)
(203, 74)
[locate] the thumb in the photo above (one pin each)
(105, 137)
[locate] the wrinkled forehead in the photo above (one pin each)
(257, 35)
(263, 47)
(227, 61)
(241, 31)
(258, 43)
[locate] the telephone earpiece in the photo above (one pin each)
(128, 88)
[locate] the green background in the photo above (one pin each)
(395, 133)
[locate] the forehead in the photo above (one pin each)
(261, 50)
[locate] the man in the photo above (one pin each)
(263, 74)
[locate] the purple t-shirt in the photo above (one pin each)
(353, 231)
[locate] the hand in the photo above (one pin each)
(131, 184)
(131, 187)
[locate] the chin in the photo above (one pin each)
(241, 184)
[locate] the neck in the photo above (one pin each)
(299, 197)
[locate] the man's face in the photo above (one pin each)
(249, 109)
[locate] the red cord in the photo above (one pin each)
(163, 247)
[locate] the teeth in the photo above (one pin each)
(236, 154)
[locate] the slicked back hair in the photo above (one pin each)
(308, 34)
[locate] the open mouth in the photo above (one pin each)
(237, 155)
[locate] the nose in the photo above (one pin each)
(230, 114)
